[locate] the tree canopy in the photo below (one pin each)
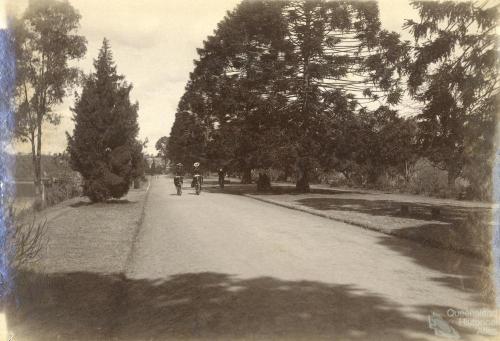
(268, 83)
(453, 72)
(45, 40)
(162, 148)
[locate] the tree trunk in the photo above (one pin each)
(37, 166)
(302, 184)
(453, 173)
(407, 172)
(247, 176)
(137, 183)
(452, 176)
(264, 183)
(38, 200)
(373, 176)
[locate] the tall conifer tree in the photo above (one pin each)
(104, 148)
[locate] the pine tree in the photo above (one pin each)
(454, 73)
(225, 116)
(104, 148)
(340, 55)
(269, 84)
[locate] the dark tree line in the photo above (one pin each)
(302, 86)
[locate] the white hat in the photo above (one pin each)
(196, 164)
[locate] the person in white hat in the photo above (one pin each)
(196, 171)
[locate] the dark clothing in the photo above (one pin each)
(178, 180)
(221, 178)
(178, 176)
(196, 171)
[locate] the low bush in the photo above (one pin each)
(421, 178)
(24, 242)
(61, 191)
(427, 179)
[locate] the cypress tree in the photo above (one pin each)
(103, 147)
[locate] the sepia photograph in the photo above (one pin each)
(249, 170)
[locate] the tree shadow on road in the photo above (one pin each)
(454, 270)
(464, 229)
(215, 306)
(240, 189)
(447, 213)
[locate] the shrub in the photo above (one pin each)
(428, 180)
(61, 191)
(24, 240)
(22, 247)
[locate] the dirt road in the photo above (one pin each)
(223, 266)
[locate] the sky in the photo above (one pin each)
(3, 16)
(154, 44)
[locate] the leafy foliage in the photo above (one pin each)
(45, 41)
(162, 148)
(454, 74)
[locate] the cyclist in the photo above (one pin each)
(196, 171)
(178, 174)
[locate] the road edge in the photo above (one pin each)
(421, 241)
(120, 293)
(136, 231)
